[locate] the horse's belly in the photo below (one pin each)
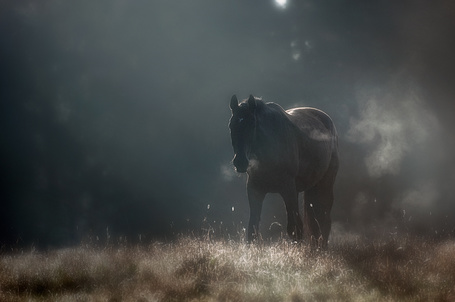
(305, 183)
(306, 170)
(270, 180)
(312, 169)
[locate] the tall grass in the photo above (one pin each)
(193, 269)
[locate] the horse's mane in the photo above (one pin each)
(271, 111)
(274, 115)
(273, 120)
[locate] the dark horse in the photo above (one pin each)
(287, 152)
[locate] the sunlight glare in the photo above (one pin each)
(281, 3)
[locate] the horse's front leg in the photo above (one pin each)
(291, 200)
(255, 198)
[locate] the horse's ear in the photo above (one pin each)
(234, 102)
(252, 102)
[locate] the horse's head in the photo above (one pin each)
(242, 125)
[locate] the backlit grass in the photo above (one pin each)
(192, 269)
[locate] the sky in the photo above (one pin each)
(114, 114)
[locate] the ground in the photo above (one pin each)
(202, 269)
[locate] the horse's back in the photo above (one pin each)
(309, 119)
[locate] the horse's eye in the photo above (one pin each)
(240, 119)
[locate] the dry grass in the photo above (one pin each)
(204, 270)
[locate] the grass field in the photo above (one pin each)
(192, 269)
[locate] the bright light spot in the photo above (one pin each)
(308, 45)
(296, 56)
(281, 3)
(233, 209)
(295, 50)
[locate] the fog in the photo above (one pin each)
(114, 113)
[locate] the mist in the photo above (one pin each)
(114, 114)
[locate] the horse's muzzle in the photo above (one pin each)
(240, 163)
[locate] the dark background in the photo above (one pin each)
(113, 114)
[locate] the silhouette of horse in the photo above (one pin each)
(286, 152)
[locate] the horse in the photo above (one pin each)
(286, 152)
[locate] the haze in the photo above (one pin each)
(114, 113)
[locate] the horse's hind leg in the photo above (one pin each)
(291, 200)
(318, 203)
(317, 207)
